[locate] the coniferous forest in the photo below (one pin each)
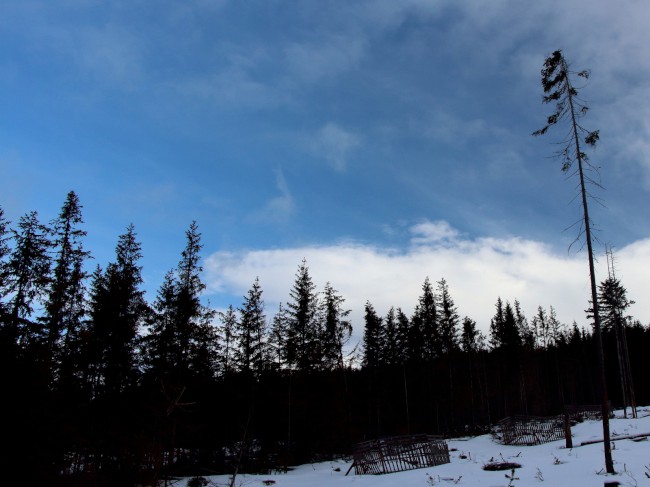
(103, 387)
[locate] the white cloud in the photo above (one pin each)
(478, 271)
(438, 232)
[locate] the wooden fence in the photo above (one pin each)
(399, 453)
(529, 430)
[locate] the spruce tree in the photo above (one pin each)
(182, 342)
(557, 328)
(303, 348)
(389, 343)
(4, 252)
(372, 335)
(504, 329)
(511, 339)
(32, 428)
(448, 319)
(401, 351)
(471, 338)
(497, 324)
(472, 342)
(613, 303)
(526, 337)
(541, 328)
(160, 345)
(249, 352)
(559, 88)
(228, 325)
(426, 317)
(117, 310)
(198, 345)
(401, 344)
(336, 327)
(27, 279)
(64, 308)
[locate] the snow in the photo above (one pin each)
(549, 464)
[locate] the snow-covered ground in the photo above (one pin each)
(551, 464)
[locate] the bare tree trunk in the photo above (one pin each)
(609, 464)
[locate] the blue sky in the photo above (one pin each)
(382, 141)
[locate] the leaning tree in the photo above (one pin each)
(557, 82)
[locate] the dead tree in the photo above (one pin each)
(559, 89)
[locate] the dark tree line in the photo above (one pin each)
(102, 387)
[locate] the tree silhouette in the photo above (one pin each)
(559, 88)
(64, 308)
(28, 270)
(336, 327)
(303, 348)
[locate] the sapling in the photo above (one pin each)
(511, 478)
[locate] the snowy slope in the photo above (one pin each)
(549, 464)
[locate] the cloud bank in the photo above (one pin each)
(477, 271)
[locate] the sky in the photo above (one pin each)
(384, 142)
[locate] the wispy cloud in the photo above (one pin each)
(325, 59)
(278, 209)
(111, 54)
(334, 144)
(233, 87)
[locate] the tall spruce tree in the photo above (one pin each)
(64, 307)
(559, 88)
(613, 303)
(401, 344)
(472, 342)
(117, 310)
(228, 324)
(448, 319)
(277, 340)
(249, 352)
(541, 328)
(336, 327)
(303, 348)
(504, 329)
(389, 343)
(372, 336)
(196, 335)
(160, 344)
(426, 320)
(526, 337)
(182, 342)
(27, 279)
(497, 324)
(32, 428)
(471, 338)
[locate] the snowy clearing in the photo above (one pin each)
(551, 464)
